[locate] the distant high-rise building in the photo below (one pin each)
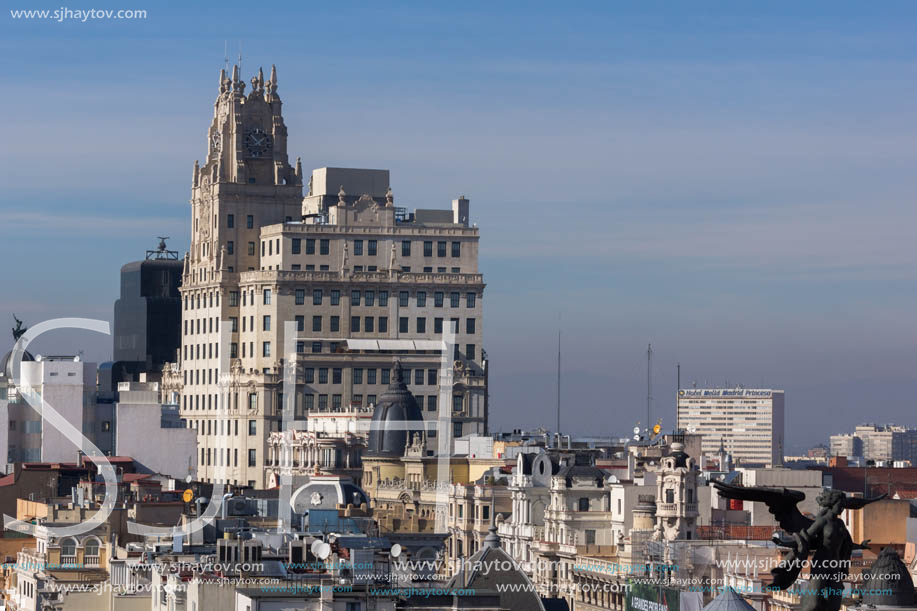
(877, 442)
(361, 278)
(148, 312)
(747, 422)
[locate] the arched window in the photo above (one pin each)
(68, 551)
(91, 552)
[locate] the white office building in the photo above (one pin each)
(746, 422)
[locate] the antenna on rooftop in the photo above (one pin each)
(649, 383)
(558, 372)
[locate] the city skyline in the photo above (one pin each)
(747, 216)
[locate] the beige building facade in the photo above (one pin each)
(362, 282)
(748, 423)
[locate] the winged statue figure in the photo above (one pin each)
(823, 536)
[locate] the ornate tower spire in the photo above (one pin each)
(274, 77)
(196, 174)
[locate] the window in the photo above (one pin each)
(438, 299)
(421, 324)
(427, 270)
(230, 247)
(583, 504)
(590, 537)
(233, 350)
(485, 512)
(428, 248)
(336, 402)
(310, 375)
(316, 296)
(267, 296)
(252, 458)
(266, 349)
(233, 299)
(252, 427)
(308, 402)
(386, 376)
(456, 249)
(405, 248)
(469, 325)
(300, 323)
(335, 297)
(358, 375)
(440, 249)
(369, 298)
(469, 352)
(323, 246)
(358, 248)
(421, 299)
(437, 325)
(251, 249)
(457, 403)
(354, 298)
(252, 400)
(354, 324)
(230, 221)
(316, 323)
(300, 296)
(323, 403)
(310, 246)
(322, 375)
(418, 377)
(469, 300)
(456, 270)
(431, 377)
(266, 323)
(316, 347)
(456, 429)
(403, 298)
(370, 399)
(383, 298)
(336, 375)
(454, 299)
(335, 323)
(431, 403)
(383, 324)
(669, 495)
(368, 324)
(250, 221)
(370, 376)
(296, 246)
(403, 324)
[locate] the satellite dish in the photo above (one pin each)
(324, 550)
(188, 478)
(395, 551)
(315, 545)
(692, 429)
(636, 430)
(636, 437)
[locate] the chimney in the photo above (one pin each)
(460, 211)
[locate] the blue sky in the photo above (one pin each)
(731, 182)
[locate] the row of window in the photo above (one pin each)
(221, 457)
(223, 427)
(249, 221)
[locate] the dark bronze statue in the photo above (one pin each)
(18, 330)
(824, 536)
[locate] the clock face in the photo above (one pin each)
(258, 143)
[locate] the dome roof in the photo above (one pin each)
(6, 363)
(889, 576)
(728, 600)
(396, 405)
(327, 492)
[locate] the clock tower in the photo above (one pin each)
(245, 183)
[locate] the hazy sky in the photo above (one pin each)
(735, 187)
